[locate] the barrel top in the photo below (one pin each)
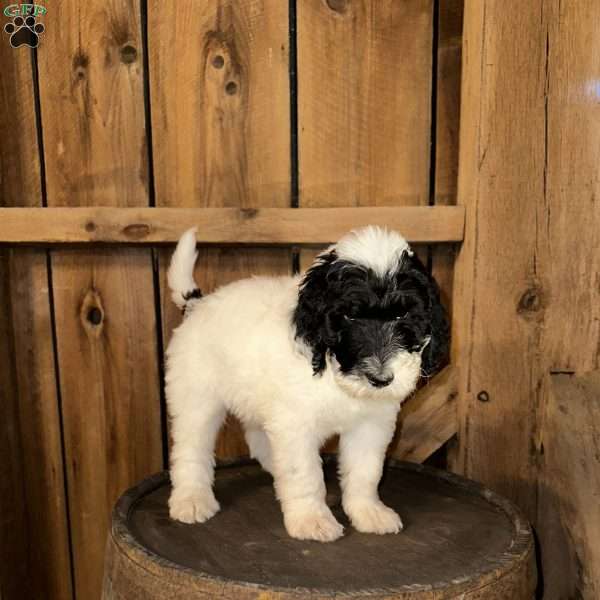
(456, 533)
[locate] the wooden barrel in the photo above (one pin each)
(460, 540)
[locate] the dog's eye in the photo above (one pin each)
(348, 318)
(399, 318)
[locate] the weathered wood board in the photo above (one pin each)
(447, 109)
(220, 130)
(223, 226)
(364, 102)
(569, 489)
(34, 536)
(528, 270)
(568, 520)
(92, 102)
(428, 419)
(501, 181)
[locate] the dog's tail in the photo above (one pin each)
(180, 275)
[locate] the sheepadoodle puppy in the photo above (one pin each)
(298, 360)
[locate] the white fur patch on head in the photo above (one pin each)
(374, 247)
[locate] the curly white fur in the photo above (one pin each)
(236, 352)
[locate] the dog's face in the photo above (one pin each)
(369, 308)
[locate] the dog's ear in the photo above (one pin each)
(311, 314)
(435, 353)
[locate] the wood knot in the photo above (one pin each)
(92, 313)
(483, 396)
(128, 54)
(231, 88)
(530, 301)
(90, 226)
(248, 213)
(136, 231)
(218, 62)
(81, 62)
(338, 6)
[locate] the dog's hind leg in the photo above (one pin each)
(260, 447)
(194, 430)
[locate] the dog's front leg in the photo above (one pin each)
(361, 456)
(298, 474)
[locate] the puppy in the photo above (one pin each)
(298, 360)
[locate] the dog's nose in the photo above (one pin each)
(380, 380)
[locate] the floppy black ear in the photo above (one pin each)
(310, 316)
(435, 353)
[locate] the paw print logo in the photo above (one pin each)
(24, 32)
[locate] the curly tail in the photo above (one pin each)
(180, 275)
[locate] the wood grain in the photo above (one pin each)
(221, 132)
(364, 97)
(42, 475)
(109, 383)
(34, 544)
(277, 226)
(569, 519)
(13, 549)
(570, 488)
(450, 18)
(91, 86)
(428, 419)
(501, 180)
(570, 215)
(220, 105)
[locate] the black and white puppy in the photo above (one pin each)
(298, 360)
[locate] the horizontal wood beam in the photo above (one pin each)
(279, 226)
(428, 419)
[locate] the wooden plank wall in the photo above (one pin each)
(147, 103)
(33, 524)
(91, 70)
(527, 274)
(235, 88)
(500, 182)
(447, 123)
(364, 103)
(569, 435)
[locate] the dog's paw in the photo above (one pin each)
(319, 525)
(373, 516)
(192, 505)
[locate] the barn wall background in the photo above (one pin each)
(131, 103)
(528, 331)
(307, 103)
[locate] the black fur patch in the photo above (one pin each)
(353, 313)
(195, 293)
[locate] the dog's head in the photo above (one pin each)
(369, 308)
